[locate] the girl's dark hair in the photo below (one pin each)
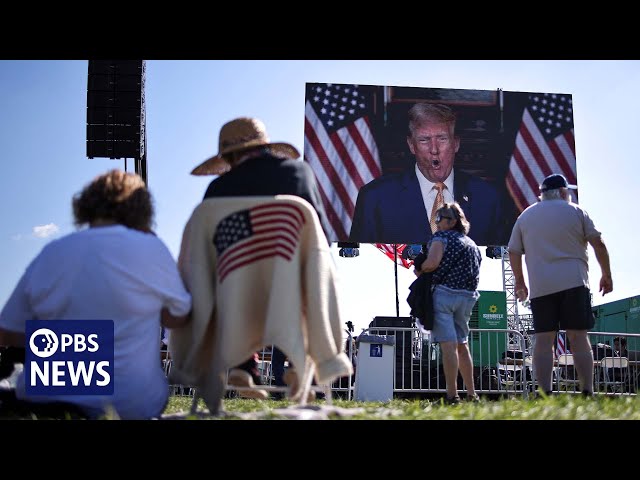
(117, 196)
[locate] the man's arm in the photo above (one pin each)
(602, 255)
(522, 292)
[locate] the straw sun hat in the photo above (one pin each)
(241, 134)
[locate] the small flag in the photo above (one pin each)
(561, 344)
(387, 249)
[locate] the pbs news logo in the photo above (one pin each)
(69, 357)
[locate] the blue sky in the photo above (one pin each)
(43, 134)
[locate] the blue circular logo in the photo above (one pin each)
(43, 343)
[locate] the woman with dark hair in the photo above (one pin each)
(118, 270)
(454, 260)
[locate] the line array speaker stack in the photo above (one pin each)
(115, 109)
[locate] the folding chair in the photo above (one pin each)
(509, 377)
(529, 377)
(566, 373)
(260, 273)
(615, 374)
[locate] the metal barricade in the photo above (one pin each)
(616, 361)
(344, 386)
(502, 362)
(419, 364)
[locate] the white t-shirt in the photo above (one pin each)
(111, 273)
(553, 236)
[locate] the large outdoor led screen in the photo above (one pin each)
(358, 143)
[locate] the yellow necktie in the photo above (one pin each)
(438, 202)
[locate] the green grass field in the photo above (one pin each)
(559, 407)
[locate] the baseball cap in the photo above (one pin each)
(555, 181)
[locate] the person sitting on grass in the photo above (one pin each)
(117, 269)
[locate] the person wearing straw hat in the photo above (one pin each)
(248, 164)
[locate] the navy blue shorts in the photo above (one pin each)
(565, 310)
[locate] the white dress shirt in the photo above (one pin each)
(429, 192)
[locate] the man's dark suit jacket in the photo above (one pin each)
(390, 209)
(269, 175)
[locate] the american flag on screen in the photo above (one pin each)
(267, 230)
(544, 145)
(561, 344)
(387, 249)
(339, 146)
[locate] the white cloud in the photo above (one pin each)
(44, 231)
